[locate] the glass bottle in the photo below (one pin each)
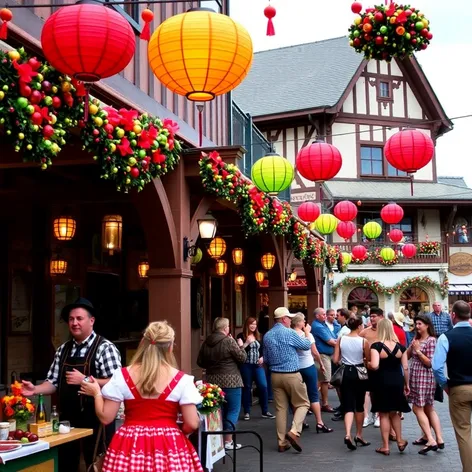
(41, 411)
(55, 420)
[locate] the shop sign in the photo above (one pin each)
(302, 197)
(460, 264)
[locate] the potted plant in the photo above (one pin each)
(17, 407)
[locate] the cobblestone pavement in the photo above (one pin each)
(327, 453)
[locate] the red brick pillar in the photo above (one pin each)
(278, 296)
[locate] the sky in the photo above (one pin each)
(447, 62)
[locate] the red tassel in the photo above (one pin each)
(3, 30)
(147, 15)
(270, 12)
(5, 15)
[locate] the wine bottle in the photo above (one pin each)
(55, 420)
(41, 411)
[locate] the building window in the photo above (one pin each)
(371, 160)
(406, 225)
(392, 172)
(384, 90)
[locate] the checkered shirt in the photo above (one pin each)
(442, 322)
(107, 359)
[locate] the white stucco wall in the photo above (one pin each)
(346, 145)
(429, 224)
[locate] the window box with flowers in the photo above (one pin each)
(428, 248)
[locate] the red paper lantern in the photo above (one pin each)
(319, 161)
(409, 150)
(345, 210)
(391, 213)
(359, 252)
(309, 211)
(346, 229)
(396, 235)
(409, 251)
(88, 41)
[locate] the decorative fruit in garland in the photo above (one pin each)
(388, 31)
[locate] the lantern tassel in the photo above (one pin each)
(87, 102)
(5, 15)
(270, 27)
(269, 13)
(200, 124)
(146, 32)
(3, 30)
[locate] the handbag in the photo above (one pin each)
(439, 394)
(337, 377)
(362, 372)
(98, 459)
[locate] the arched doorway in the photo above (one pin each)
(361, 296)
(414, 298)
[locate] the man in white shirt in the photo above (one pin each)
(342, 315)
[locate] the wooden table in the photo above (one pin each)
(45, 461)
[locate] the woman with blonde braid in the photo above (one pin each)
(154, 392)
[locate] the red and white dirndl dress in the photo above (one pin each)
(150, 439)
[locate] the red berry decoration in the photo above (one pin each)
(356, 8)
(134, 172)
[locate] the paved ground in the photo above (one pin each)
(327, 453)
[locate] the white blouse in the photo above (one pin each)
(184, 393)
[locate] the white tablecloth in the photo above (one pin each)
(24, 451)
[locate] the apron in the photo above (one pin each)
(78, 409)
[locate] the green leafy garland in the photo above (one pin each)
(376, 286)
(40, 106)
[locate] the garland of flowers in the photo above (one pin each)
(428, 247)
(376, 286)
(388, 31)
(317, 251)
(298, 240)
(40, 106)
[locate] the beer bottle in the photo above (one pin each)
(55, 420)
(41, 411)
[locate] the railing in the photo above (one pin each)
(246, 134)
(440, 258)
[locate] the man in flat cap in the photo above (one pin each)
(86, 354)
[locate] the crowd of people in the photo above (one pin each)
(382, 368)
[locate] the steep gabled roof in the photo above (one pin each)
(301, 77)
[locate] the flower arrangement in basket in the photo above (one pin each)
(429, 247)
(386, 31)
(16, 406)
(213, 397)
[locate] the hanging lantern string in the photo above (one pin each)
(200, 106)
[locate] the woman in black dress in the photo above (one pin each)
(390, 386)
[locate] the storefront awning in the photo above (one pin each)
(460, 289)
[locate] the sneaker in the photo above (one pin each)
(368, 421)
(266, 415)
(230, 446)
(377, 422)
(246, 417)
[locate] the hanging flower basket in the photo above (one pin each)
(386, 31)
(429, 248)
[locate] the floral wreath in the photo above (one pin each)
(39, 107)
(375, 285)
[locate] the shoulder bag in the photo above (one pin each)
(98, 459)
(337, 377)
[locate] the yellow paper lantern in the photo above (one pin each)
(326, 223)
(200, 54)
(293, 276)
(112, 226)
(58, 266)
(387, 254)
(64, 228)
(238, 255)
(260, 276)
(143, 269)
(347, 258)
(221, 267)
(217, 248)
(372, 230)
(268, 261)
(239, 279)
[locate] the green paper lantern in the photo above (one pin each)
(197, 257)
(326, 223)
(387, 254)
(347, 258)
(372, 230)
(272, 174)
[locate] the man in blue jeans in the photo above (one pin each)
(325, 341)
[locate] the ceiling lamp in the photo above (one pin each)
(58, 266)
(260, 275)
(345, 210)
(88, 41)
(372, 230)
(112, 227)
(272, 174)
(143, 269)
(346, 229)
(239, 279)
(64, 228)
(238, 255)
(221, 267)
(268, 261)
(217, 248)
(319, 161)
(326, 223)
(309, 211)
(391, 214)
(200, 54)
